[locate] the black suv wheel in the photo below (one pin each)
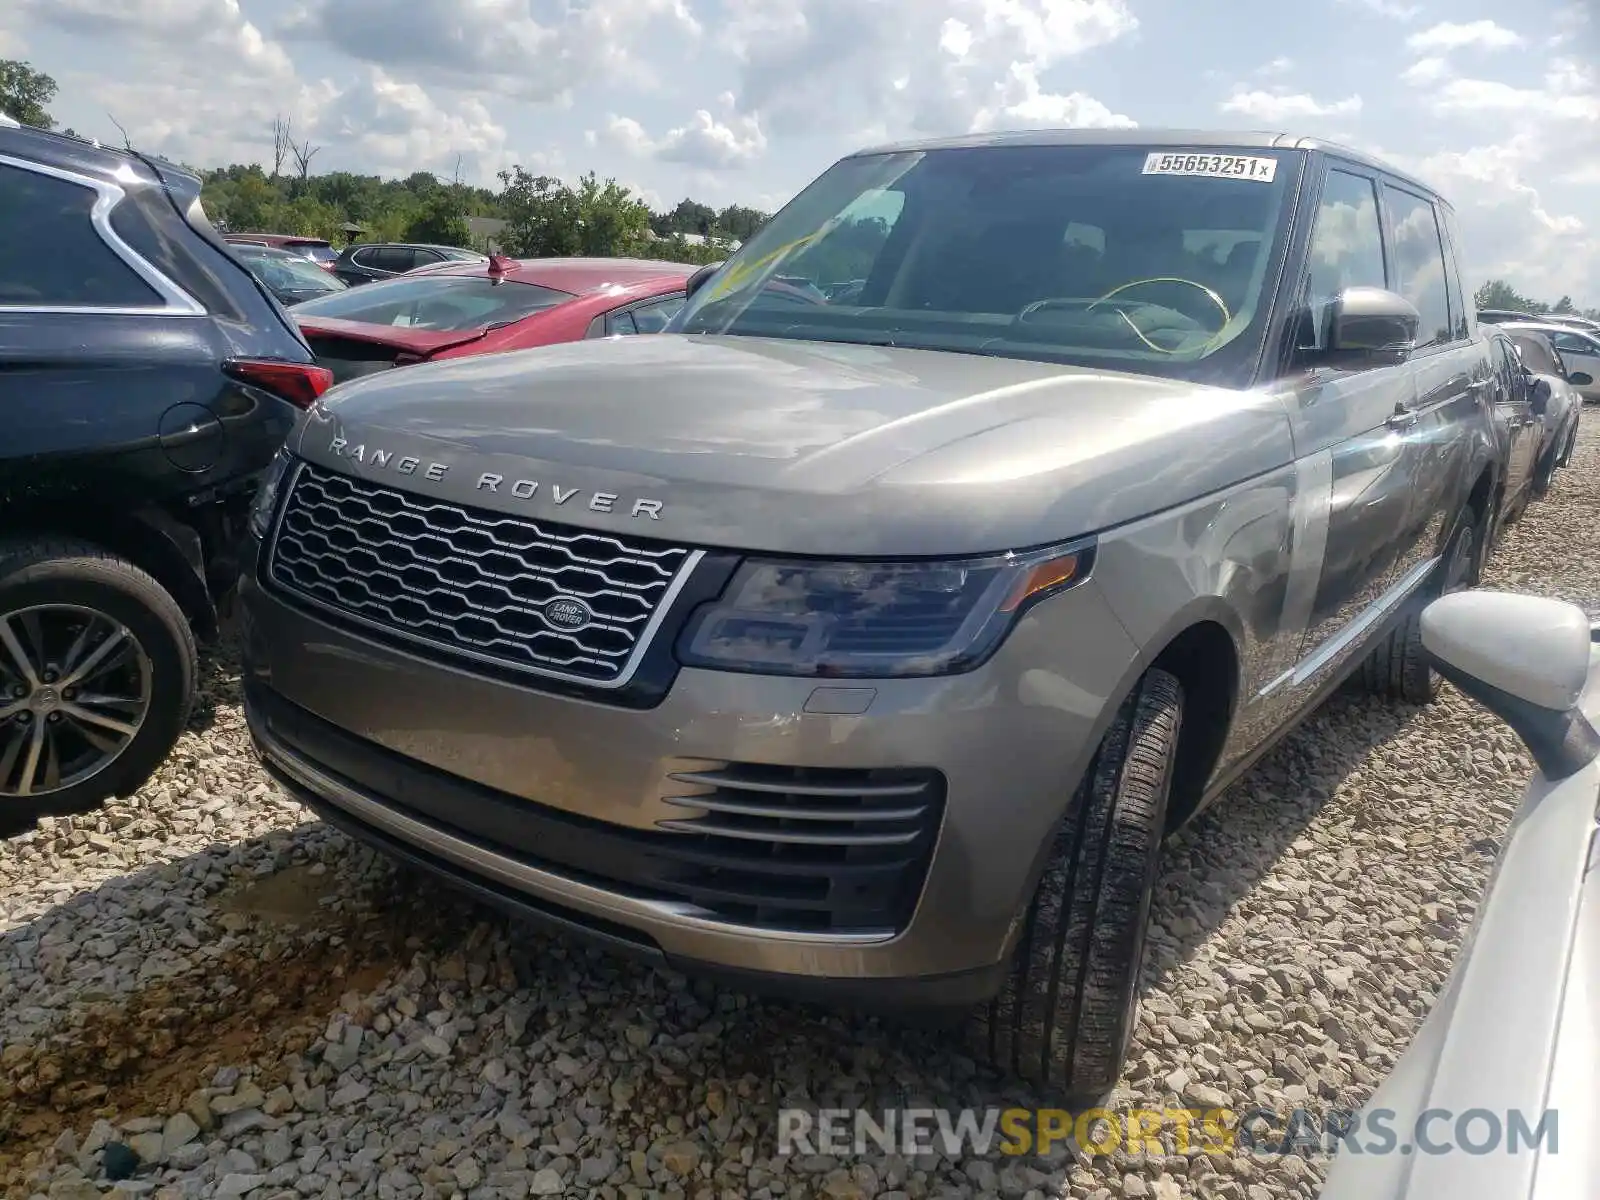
(1398, 667)
(1066, 1014)
(97, 678)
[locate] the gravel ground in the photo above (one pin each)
(254, 1006)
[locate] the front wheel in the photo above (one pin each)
(1398, 667)
(1065, 1016)
(1544, 476)
(97, 678)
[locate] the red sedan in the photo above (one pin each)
(461, 308)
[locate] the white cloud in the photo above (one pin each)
(1492, 96)
(1394, 10)
(1425, 71)
(1287, 106)
(493, 45)
(399, 127)
(212, 31)
(705, 141)
(1447, 36)
(910, 66)
(1020, 103)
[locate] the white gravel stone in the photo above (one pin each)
(339, 1029)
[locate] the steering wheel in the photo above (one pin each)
(1133, 283)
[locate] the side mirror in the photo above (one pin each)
(1371, 326)
(1538, 394)
(1525, 659)
(698, 279)
(1580, 379)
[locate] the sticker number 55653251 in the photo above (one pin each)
(1214, 166)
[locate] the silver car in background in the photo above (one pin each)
(1512, 1036)
(1579, 349)
(861, 640)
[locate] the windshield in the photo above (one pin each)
(442, 302)
(317, 251)
(1112, 256)
(288, 273)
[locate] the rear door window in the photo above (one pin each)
(396, 258)
(1419, 263)
(51, 255)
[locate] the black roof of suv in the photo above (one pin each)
(148, 380)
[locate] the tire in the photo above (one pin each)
(97, 612)
(1544, 476)
(1064, 1017)
(1398, 667)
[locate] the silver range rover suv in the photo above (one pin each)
(986, 514)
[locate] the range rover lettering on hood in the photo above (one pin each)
(522, 489)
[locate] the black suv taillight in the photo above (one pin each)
(298, 383)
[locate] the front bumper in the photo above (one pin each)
(554, 805)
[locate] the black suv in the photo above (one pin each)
(146, 381)
(368, 261)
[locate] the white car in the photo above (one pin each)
(1579, 348)
(1514, 1038)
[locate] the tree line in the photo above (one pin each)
(1497, 293)
(543, 216)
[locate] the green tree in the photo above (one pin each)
(677, 248)
(740, 223)
(547, 219)
(1497, 293)
(441, 220)
(689, 216)
(24, 93)
(1564, 305)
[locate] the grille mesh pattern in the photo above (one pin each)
(471, 581)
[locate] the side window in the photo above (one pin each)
(620, 322)
(50, 254)
(1510, 369)
(395, 258)
(653, 317)
(367, 256)
(1419, 263)
(1460, 310)
(1346, 247)
(423, 258)
(1572, 344)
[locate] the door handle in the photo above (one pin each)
(1401, 418)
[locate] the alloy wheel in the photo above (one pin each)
(74, 692)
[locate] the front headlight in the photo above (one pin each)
(266, 501)
(873, 619)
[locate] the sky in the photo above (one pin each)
(743, 101)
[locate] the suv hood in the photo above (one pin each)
(797, 447)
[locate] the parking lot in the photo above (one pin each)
(205, 964)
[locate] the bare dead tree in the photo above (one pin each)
(455, 180)
(127, 142)
(281, 143)
(303, 153)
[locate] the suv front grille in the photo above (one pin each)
(474, 583)
(828, 849)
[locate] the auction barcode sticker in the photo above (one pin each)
(1213, 166)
